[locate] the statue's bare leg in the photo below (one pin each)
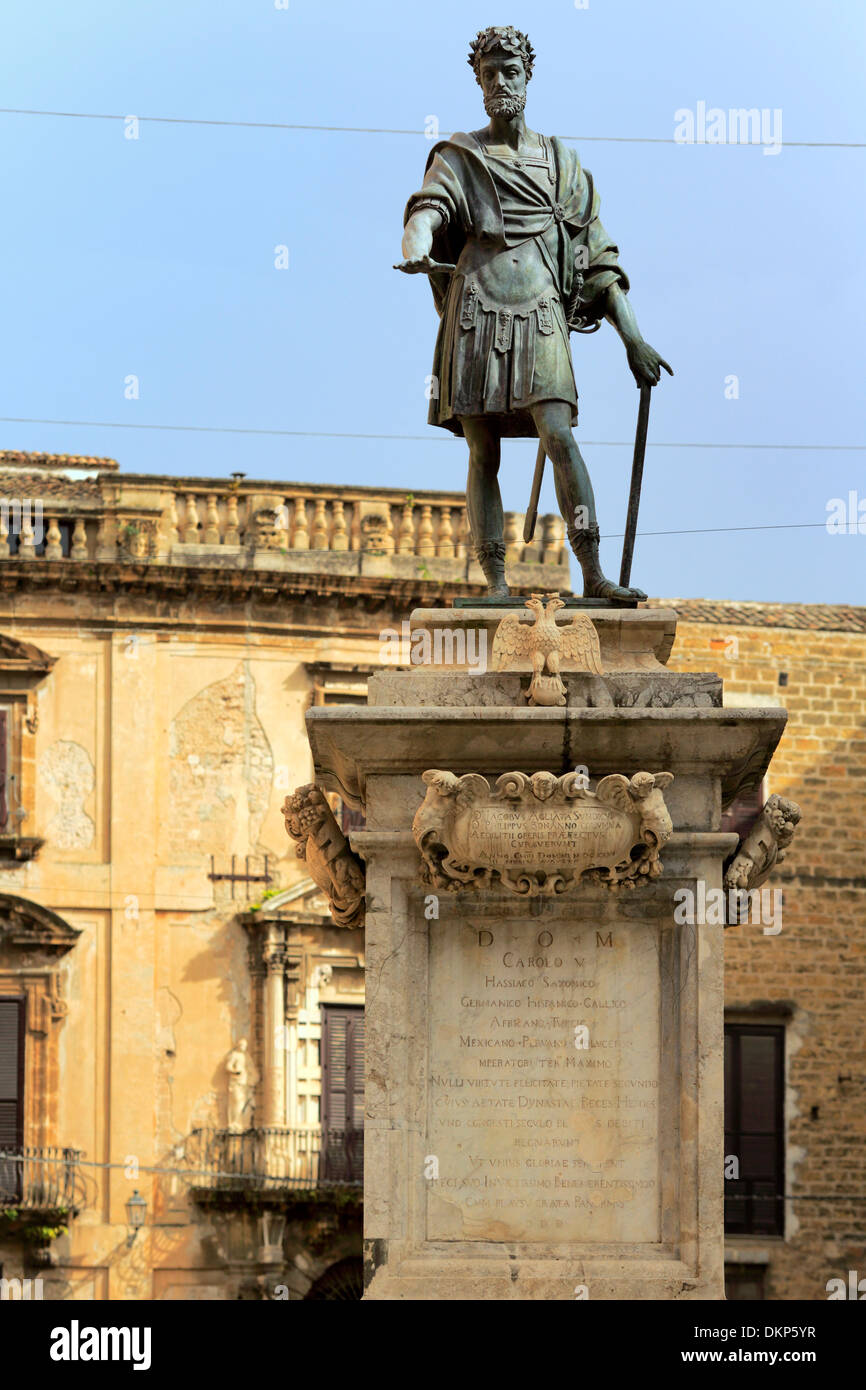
(484, 501)
(575, 497)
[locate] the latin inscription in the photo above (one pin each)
(547, 837)
(543, 1093)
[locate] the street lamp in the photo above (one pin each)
(136, 1210)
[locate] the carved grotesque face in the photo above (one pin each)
(503, 82)
(374, 530)
(264, 532)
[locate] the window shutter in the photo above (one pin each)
(11, 1091)
(334, 1097)
(355, 1070)
(343, 1067)
(4, 768)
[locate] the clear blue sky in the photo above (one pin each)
(155, 257)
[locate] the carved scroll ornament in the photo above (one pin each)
(541, 835)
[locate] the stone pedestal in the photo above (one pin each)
(544, 1115)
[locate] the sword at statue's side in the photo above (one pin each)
(634, 491)
(532, 510)
(636, 480)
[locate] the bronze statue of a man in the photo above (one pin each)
(506, 226)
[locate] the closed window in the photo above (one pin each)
(11, 1094)
(342, 1093)
(754, 1129)
(342, 1066)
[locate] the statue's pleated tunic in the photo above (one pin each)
(513, 227)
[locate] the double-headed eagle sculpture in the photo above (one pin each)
(546, 644)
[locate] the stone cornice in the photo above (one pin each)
(268, 590)
(172, 580)
(350, 744)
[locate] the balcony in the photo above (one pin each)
(56, 516)
(275, 1161)
(40, 1188)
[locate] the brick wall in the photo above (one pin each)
(816, 967)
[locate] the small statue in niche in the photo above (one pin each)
(242, 1081)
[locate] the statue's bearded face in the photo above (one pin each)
(503, 82)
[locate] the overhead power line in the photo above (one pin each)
(9, 1156)
(302, 1183)
(396, 130)
(423, 438)
(717, 530)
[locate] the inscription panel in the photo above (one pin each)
(544, 1082)
(548, 837)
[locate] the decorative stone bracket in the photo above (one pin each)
(541, 835)
(762, 848)
(332, 864)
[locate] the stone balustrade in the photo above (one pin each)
(153, 520)
(74, 510)
(431, 525)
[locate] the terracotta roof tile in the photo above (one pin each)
(17, 458)
(48, 486)
(828, 617)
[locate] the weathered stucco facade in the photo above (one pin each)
(177, 632)
(158, 651)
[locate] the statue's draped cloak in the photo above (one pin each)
(513, 229)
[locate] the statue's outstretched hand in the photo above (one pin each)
(422, 265)
(645, 363)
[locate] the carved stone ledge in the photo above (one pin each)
(17, 849)
(584, 690)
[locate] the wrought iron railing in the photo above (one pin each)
(275, 1159)
(41, 1179)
